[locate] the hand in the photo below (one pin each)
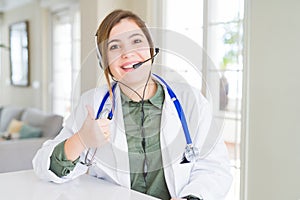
(94, 133)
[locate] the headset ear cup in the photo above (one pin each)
(100, 64)
(99, 60)
(98, 54)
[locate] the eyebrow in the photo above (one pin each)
(136, 34)
(114, 40)
(131, 36)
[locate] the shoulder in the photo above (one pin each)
(186, 92)
(90, 97)
(93, 95)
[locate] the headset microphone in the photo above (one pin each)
(137, 65)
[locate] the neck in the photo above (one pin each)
(150, 90)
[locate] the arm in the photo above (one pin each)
(210, 177)
(91, 135)
(41, 161)
(59, 163)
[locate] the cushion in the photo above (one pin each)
(14, 126)
(28, 131)
(8, 114)
(50, 124)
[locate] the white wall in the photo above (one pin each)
(274, 99)
(24, 96)
(92, 14)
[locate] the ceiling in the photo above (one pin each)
(10, 4)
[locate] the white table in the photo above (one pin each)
(25, 185)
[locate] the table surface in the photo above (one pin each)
(26, 185)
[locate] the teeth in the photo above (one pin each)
(127, 66)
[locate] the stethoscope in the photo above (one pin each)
(191, 153)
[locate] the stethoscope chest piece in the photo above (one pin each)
(191, 153)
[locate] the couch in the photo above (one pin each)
(17, 154)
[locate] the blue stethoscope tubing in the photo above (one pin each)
(110, 114)
(179, 109)
(177, 105)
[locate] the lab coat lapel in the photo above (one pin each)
(170, 124)
(170, 132)
(172, 137)
(119, 143)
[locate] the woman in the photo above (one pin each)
(141, 142)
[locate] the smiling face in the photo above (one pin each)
(126, 46)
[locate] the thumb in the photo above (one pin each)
(90, 111)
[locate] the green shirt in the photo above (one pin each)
(59, 164)
(154, 183)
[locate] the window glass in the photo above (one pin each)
(217, 26)
(65, 60)
(225, 10)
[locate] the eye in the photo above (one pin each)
(137, 41)
(114, 46)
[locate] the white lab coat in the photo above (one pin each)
(209, 177)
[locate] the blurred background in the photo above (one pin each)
(47, 59)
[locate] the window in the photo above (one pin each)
(217, 26)
(65, 60)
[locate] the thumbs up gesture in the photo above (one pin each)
(94, 133)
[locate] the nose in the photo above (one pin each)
(127, 52)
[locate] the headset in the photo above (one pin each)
(191, 152)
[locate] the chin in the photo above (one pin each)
(135, 78)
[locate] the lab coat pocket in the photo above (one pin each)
(182, 175)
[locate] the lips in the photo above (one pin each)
(128, 66)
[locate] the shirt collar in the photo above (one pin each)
(157, 100)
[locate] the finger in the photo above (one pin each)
(106, 136)
(107, 139)
(106, 133)
(103, 124)
(90, 111)
(105, 130)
